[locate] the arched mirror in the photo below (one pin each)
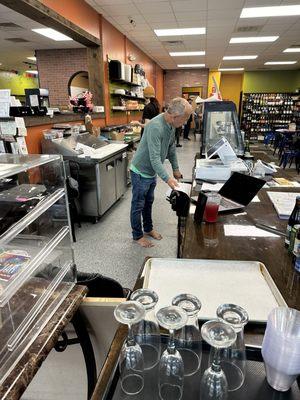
(78, 83)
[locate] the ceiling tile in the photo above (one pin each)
(149, 8)
(121, 9)
(192, 5)
(161, 17)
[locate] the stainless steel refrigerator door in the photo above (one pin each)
(107, 184)
(121, 173)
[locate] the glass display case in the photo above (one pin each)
(220, 120)
(37, 269)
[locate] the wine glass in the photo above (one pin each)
(189, 337)
(131, 362)
(218, 335)
(171, 369)
(146, 332)
(233, 358)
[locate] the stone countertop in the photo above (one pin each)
(58, 118)
(23, 372)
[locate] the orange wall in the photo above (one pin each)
(116, 46)
(159, 84)
(77, 11)
(231, 86)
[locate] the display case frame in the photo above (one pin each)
(37, 268)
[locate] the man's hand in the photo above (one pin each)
(172, 183)
(177, 174)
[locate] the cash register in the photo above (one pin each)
(221, 168)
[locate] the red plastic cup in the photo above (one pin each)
(212, 207)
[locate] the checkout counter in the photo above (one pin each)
(99, 167)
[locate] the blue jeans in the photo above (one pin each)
(141, 204)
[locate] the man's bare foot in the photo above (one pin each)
(154, 234)
(144, 242)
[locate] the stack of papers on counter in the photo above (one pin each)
(283, 203)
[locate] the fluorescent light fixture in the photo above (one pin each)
(240, 57)
(280, 62)
(292, 50)
(180, 31)
(31, 58)
(254, 39)
(31, 71)
(52, 34)
(190, 65)
(186, 53)
(231, 69)
(277, 11)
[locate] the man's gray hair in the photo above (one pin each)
(177, 106)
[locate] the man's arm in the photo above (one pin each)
(154, 147)
(172, 157)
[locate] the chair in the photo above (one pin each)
(269, 138)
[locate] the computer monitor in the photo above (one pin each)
(223, 149)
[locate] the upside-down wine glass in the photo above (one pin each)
(189, 337)
(171, 369)
(146, 332)
(233, 358)
(131, 361)
(218, 335)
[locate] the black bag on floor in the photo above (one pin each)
(100, 286)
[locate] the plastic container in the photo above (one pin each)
(37, 268)
(281, 347)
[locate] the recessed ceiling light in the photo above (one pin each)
(278, 11)
(190, 65)
(280, 62)
(52, 34)
(180, 31)
(231, 69)
(254, 39)
(31, 58)
(292, 50)
(186, 53)
(239, 57)
(31, 71)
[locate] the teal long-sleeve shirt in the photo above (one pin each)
(157, 145)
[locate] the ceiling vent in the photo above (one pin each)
(17, 40)
(172, 43)
(248, 29)
(10, 26)
(294, 45)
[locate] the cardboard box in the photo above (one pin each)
(117, 136)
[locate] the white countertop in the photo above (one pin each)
(104, 151)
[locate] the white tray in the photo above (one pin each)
(214, 282)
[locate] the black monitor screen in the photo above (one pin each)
(241, 188)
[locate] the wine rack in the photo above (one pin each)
(266, 112)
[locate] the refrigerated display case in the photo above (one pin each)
(37, 269)
(220, 120)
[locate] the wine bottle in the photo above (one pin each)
(293, 220)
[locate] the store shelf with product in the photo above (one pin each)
(125, 86)
(127, 96)
(266, 112)
(37, 269)
(126, 82)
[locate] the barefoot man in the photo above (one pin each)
(157, 144)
